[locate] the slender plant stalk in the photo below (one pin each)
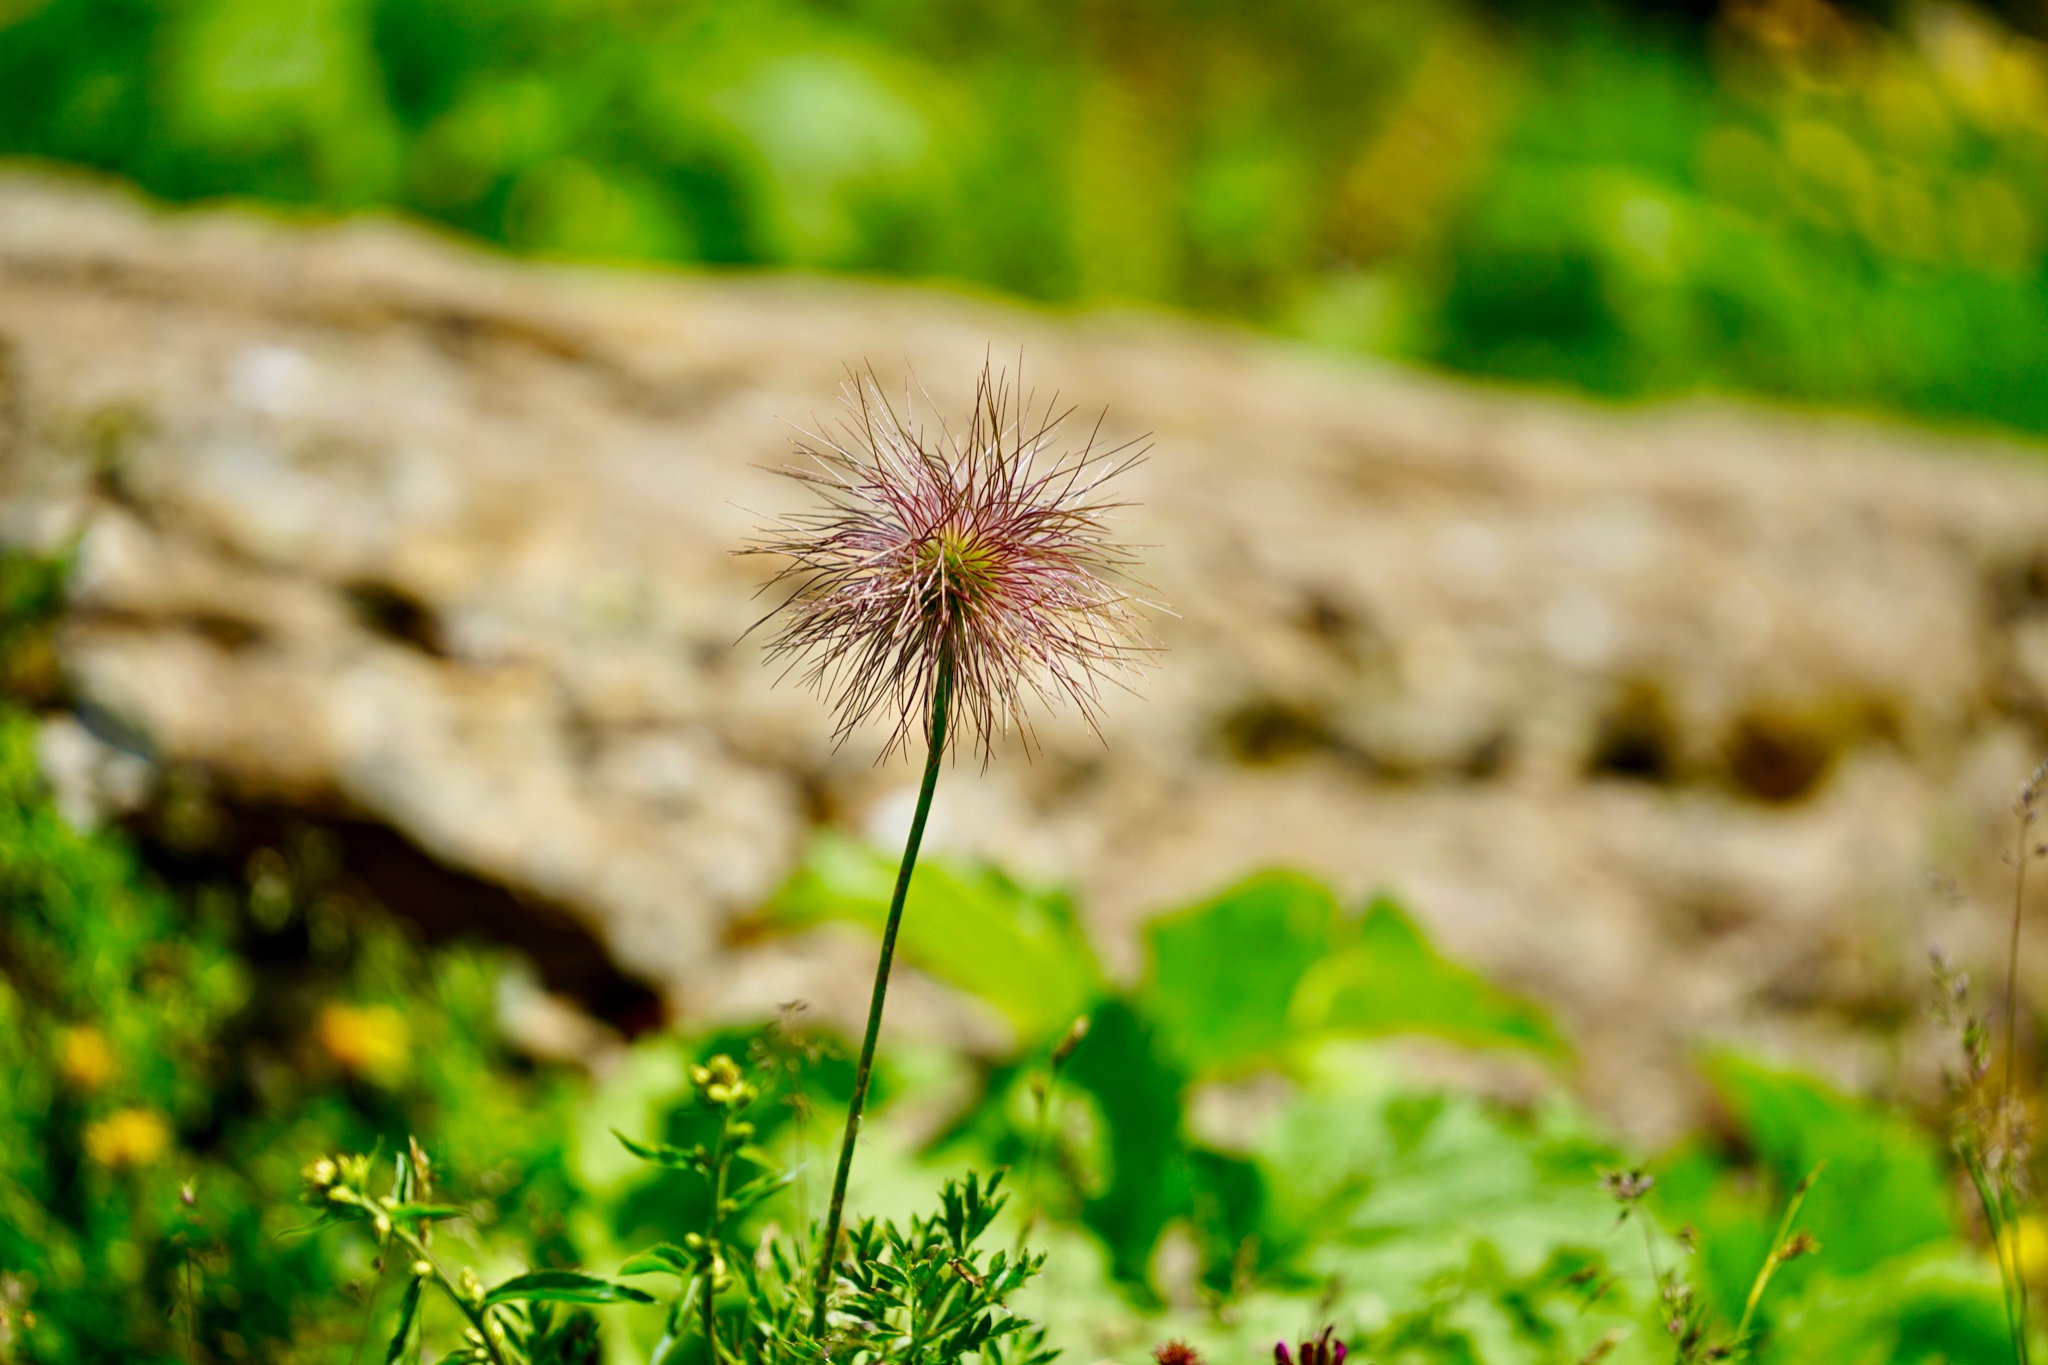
(2010, 1265)
(717, 1235)
(717, 1238)
(1650, 1251)
(942, 697)
(2001, 1217)
(479, 1317)
(369, 1309)
(1045, 1101)
(2012, 956)
(1775, 1257)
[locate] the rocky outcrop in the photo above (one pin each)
(1663, 715)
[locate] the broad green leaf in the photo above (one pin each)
(408, 1310)
(564, 1286)
(1222, 972)
(1386, 978)
(1883, 1191)
(1931, 1306)
(1137, 1092)
(1396, 1194)
(1021, 951)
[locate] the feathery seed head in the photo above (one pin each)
(979, 558)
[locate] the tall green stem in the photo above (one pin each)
(942, 697)
(717, 1246)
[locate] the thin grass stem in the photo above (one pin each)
(1775, 1257)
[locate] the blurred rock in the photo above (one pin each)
(92, 779)
(1664, 715)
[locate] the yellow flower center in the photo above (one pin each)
(963, 564)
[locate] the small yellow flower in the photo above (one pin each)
(2027, 1238)
(127, 1138)
(369, 1041)
(84, 1058)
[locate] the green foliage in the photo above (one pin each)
(1383, 977)
(1439, 1226)
(1821, 208)
(1222, 973)
(156, 1090)
(1021, 951)
(1258, 976)
(108, 1020)
(1885, 1192)
(1139, 1095)
(922, 1293)
(511, 1324)
(928, 1292)
(31, 592)
(1891, 1276)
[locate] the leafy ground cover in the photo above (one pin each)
(1791, 199)
(150, 1057)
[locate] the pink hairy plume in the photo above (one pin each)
(984, 551)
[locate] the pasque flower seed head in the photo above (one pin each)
(982, 553)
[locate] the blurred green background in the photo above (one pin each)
(1842, 205)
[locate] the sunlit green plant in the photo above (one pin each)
(512, 1323)
(946, 579)
(1991, 1133)
(1682, 1310)
(920, 1293)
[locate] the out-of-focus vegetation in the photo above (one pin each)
(172, 1059)
(155, 1045)
(1431, 1226)
(169, 1059)
(166, 1067)
(1789, 198)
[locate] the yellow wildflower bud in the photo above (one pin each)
(127, 1138)
(84, 1058)
(371, 1042)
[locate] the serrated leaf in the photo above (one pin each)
(564, 1286)
(408, 1311)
